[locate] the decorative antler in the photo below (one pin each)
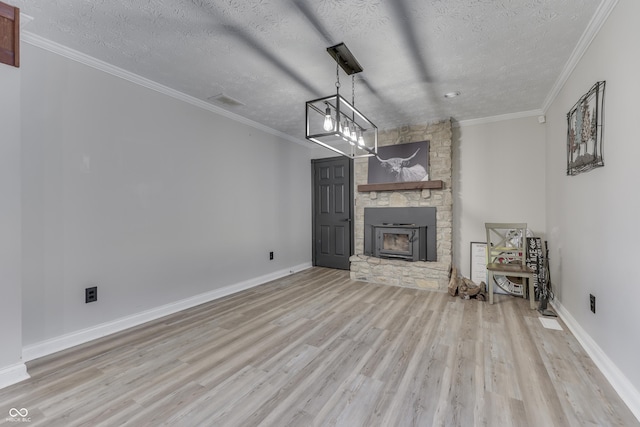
(397, 158)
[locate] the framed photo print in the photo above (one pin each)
(400, 163)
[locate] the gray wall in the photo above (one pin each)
(498, 176)
(138, 192)
(592, 218)
(10, 222)
(589, 220)
(149, 198)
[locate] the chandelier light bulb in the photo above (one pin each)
(354, 136)
(360, 138)
(328, 122)
(345, 129)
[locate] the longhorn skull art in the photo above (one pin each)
(399, 168)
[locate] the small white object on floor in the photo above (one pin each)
(550, 323)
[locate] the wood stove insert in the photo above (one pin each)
(400, 233)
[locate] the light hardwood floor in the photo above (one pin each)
(316, 348)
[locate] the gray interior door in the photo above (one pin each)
(332, 210)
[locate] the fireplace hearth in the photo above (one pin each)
(407, 234)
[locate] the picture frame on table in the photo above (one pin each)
(478, 261)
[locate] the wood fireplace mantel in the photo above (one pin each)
(395, 186)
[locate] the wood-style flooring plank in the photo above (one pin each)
(319, 349)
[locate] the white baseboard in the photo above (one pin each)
(627, 392)
(13, 374)
(63, 342)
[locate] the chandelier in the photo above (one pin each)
(335, 123)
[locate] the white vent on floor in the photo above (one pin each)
(550, 323)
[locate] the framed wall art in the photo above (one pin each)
(400, 163)
(585, 124)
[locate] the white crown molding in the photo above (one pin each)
(98, 64)
(13, 374)
(621, 384)
(500, 118)
(53, 345)
(24, 21)
(590, 33)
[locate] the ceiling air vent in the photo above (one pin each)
(222, 99)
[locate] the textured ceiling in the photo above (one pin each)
(270, 55)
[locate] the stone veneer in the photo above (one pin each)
(420, 274)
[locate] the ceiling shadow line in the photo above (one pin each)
(313, 20)
(235, 31)
(409, 33)
(261, 50)
(316, 23)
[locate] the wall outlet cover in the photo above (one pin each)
(91, 294)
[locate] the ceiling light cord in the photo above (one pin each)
(353, 90)
(345, 128)
(353, 134)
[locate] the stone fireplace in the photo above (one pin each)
(434, 272)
